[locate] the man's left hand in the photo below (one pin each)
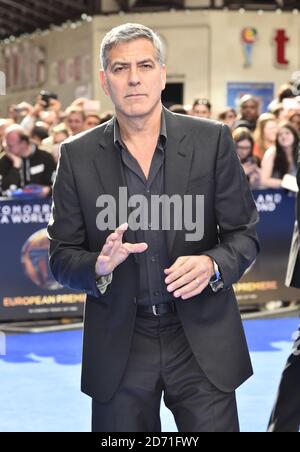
(189, 276)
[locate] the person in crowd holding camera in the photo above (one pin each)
(280, 159)
(244, 147)
(24, 164)
(47, 109)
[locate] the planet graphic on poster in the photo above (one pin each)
(34, 259)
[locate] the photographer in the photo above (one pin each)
(47, 109)
(23, 163)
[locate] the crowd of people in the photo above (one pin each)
(267, 144)
(30, 137)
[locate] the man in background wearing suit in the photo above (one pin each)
(285, 416)
(161, 315)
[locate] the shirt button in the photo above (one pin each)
(153, 259)
(157, 293)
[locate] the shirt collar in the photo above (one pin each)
(162, 135)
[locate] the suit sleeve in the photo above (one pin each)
(71, 263)
(236, 214)
(50, 168)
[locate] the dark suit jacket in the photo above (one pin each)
(293, 269)
(200, 159)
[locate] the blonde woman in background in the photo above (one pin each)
(265, 134)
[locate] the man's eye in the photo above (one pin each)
(119, 69)
(147, 66)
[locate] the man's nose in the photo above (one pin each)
(134, 78)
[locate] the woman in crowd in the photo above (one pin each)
(228, 116)
(265, 134)
(281, 158)
(244, 147)
(201, 108)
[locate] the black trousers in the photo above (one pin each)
(161, 361)
(285, 416)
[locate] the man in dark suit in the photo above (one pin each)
(285, 416)
(161, 315)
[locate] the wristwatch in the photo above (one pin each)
(102, 282)
(216, 282)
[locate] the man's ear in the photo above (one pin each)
(104, 82)
(163, 76)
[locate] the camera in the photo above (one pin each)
(46, 96)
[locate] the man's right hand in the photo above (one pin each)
(115, 251)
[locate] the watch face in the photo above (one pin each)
(103, 281)
(216, 286)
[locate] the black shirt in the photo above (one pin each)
(38, 169)
(152, 287)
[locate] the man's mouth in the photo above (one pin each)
(135, 95)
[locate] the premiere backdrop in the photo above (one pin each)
(27, 287)
(28, 290)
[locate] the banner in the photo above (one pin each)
(27, 287)
(264, 281)
(28, 290)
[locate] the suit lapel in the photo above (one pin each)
(178, 160)
(108, 164)
(177, 165)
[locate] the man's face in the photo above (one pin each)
(134, 79)
(91, 122)
(76, 122)
(249, 110)
(14, 145)
(201, 111)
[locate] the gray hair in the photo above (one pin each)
(126, 33)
